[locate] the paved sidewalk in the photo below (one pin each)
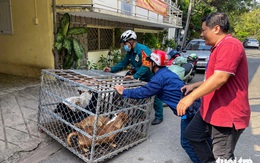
(19, 135)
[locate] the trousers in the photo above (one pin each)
(224, 139)
(158, 108)
(186, 145)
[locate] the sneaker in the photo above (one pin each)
(156, 121)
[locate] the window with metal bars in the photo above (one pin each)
(100, 38)
(5, 17)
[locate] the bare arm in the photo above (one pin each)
(212, 83)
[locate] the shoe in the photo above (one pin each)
(156, 121)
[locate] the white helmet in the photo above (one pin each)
(128, 35)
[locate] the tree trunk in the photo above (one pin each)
(187, 25)
(56, 58)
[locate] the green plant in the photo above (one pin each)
(69, 49)
(91, 66)
(151, 40)
(113, 57)
(169, 43)
(103, 62)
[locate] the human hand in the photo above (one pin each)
(107, 69)
(183, 105)
(186, 89)
(119, 89)
(129, 77)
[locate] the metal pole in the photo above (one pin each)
(54, 17)
(55, 52)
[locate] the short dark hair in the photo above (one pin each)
(217, 18)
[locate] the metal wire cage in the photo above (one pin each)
(83, 112)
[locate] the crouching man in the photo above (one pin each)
(167, 86)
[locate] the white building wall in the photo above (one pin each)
(127, 8)
(171, 33)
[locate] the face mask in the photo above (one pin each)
(127, 48)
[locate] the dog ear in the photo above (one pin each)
(123, 116)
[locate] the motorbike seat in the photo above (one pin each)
(187, 67)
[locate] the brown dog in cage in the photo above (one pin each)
(90, 121)
(114, 124)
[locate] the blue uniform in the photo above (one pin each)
(135, 58)
(167, 86)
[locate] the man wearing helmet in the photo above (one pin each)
(167, 86)
(134, 51)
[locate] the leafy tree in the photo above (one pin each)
(233, 8)
(248, 25)
(201, 8)
(151, 40)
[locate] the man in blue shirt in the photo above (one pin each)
(134, 56)
(167, 86)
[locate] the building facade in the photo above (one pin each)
(28, 28)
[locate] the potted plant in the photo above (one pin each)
(68, 50)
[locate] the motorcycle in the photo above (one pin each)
(193, 59)
(185, 68)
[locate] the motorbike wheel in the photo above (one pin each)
(191, 76)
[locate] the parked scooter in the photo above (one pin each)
(185, 68)
(193, 59)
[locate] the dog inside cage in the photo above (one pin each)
(70, 113)
(105, 127)
(92, 119)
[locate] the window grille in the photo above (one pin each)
(100, 38)
(106, 38)
(5, 17)
(93, 39)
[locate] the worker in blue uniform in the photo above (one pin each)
(134, 56)
(167, 86)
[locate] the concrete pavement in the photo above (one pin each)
(19, 135)
(20, 140)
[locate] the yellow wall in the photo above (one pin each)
(93, 57)
(29, 48)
